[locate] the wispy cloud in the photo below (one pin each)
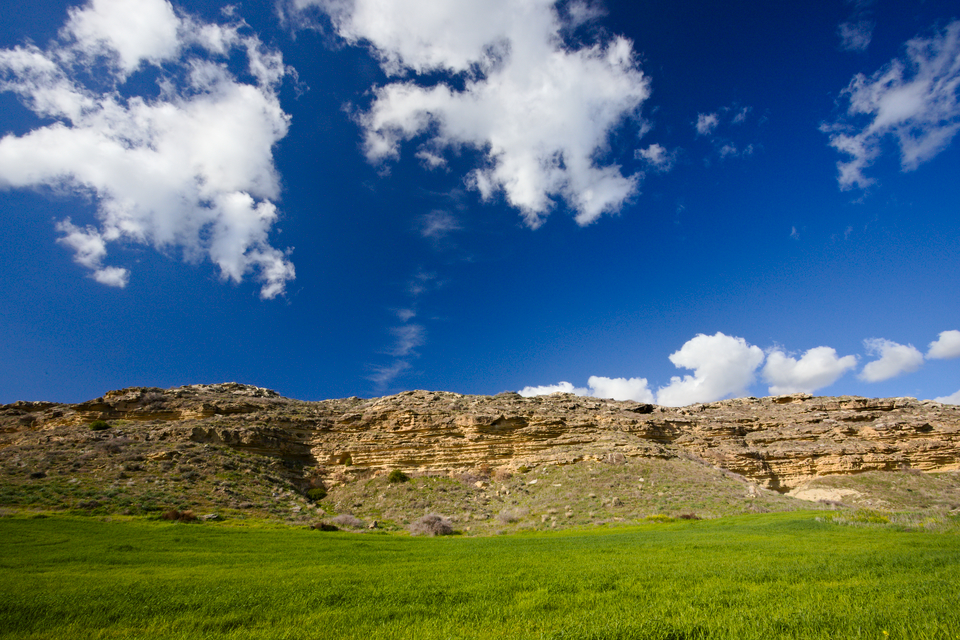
(422, 282)
(539, 112)
(437, 225)
(408, 337)
(856, 31)
(384, 375)
(855, 36)
(913, 99)
(406, 315)
(191, 169)
(721, 127)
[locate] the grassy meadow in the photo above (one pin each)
(780, 575)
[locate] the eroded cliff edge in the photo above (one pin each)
(778, 442)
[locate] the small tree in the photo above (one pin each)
(316, 494)
(396, 476)
(99, 425)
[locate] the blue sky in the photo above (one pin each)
(671, 202)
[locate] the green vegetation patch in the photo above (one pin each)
(788, 575)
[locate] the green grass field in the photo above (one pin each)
(787, 575)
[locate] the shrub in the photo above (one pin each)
(316, 494)
(99, 425)
(511, 515)
(431, 525)
(180, 516)
(658, 517)
(868, 516)
(349, 521)
(396, 476)
(113, 445)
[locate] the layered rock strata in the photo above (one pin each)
(780, 442)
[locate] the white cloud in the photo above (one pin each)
(89, 250)
(953, 398)
(620, 388)
(406, 315)
(599, 387)
(384, 375)
(706, 123)
(817, 368)
(408, 337)
(545, 390)
(112, 276)
(579, 12)
(191, 169)
(895, 360)
(722, 366)
(946, 346)
(913, 99)
(130, 32)
(436, 225)
(538, 111)
(657, 157)
(855, 36)
(741, 115)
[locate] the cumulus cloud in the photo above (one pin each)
(946, 346)
(913, 99)
(620, 388)
(538, 112)
(190, 169)
(657, 157)
(722, 365)
(953, 398)
(817, 368)
(547, 389)
(895, 360)
(599, 387)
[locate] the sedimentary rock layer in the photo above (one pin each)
(780, 442)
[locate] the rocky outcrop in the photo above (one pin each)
(781, 442)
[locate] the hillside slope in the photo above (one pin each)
(238, 448)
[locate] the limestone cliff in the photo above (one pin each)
(780, 442)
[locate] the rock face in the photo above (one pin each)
(780, 442)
